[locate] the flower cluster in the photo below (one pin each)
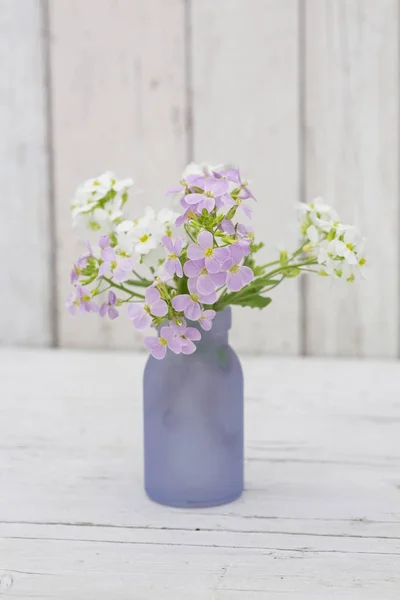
(98, 202)
(338, 248)
(169, 268)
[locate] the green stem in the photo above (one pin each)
(122, 288)
(288, 267)
(189, 234)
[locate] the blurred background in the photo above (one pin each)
(302, 94)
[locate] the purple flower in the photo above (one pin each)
(173, 264)
(186, 216)
(237, 276)
(246, 208)
(141, 312)
(187, 336)
(214, 257)
(213, 188)
(81, 300)
(104, 241)
(77, 268)
(227, 200)
(81, 263)
(206, 319)
(240, 249)
(168, 339)
(190, 181)
(234, 176)
(243, 230)
(109, 307)
(227, 227)
(114, 266)
(190, 303)
(205, 282)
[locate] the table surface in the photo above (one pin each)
(320, 516)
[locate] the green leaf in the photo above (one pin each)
(253, 301)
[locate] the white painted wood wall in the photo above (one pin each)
(304, 94)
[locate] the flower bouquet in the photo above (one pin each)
(179, 272)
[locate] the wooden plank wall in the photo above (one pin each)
(302, 93)
(26, 293)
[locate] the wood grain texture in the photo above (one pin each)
(352, 159)
(246, 110)
(319, 517)
(25, 303)
(118, 81)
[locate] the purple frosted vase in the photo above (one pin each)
(193, 423)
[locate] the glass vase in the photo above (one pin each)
(193, 423)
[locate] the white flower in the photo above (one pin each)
(192, 169)
(312, 235)
(167, 216)
(98, 202)
(97, 218)
(203, 169)
(350, 246)
(319, 214)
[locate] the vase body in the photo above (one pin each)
(193, 423)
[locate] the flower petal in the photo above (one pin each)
(236, 252)
(188, 347)
(178, 245)
(168, 243)
(170, 267)
(175, 344)
(194, 198)
(152, 294)
(222, 254)
(104, 241)
(192, 268)
(205, 285)
(192, 310)
(218, 279)
(112, 298)
(104, 269)
(108, 255)
(195, 252)
(126, 264)
(213, 265)
(159, 308)
(135, 310)
(205, 240)
(157, 350)
(120, 275)
(205, 324)
(193, 334)
(112, 312)
(207, 203)
(180, 302)
(247, 211)
(178, 268)
(246, 274)
(210, 299)
(227, 200)
(142, 321)
(234, 281)
(217, 187)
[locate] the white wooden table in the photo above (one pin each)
(320, 517)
